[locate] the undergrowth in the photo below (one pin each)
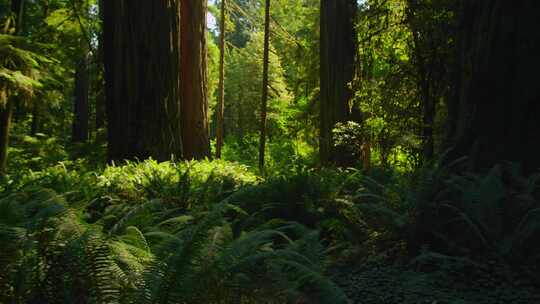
(214, 232)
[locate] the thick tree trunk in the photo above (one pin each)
(221, 88)
(81, 106)
(142, 74)
(264, 99)
(194, 79)
(338, 49)
(503, 89)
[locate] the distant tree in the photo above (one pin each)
(432, 30)
(264, 98)
(101, 107)
(7, 94)
(221, 86)
(337, 53)
(142, 78)
(81, 105)
(37, 106)
(194, 79)
(243, 91)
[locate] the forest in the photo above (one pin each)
(270, 151)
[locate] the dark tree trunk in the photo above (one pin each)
(338, 49)
(430, 51)
(101, 107)
(6, 111)
(264, 99)
(36, 107)
(17, 9)
(502, 90)
(34, 126)
(81, 106)
(142, 74)
(221, 89)
(194, 79)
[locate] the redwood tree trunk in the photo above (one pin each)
(502, 91)
(338, 49)
(142, 75)
(194, 79)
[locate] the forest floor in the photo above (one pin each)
(449, 282)
(357, 224)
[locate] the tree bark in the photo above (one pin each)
(221, 88)
(194, 79)
(264, 99)
(142, 75)
(338, 49)
(502, 90)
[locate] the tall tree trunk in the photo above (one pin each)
(81, 106)
(34, 126)
(18, 9)
(6, 110)
(142, 74)
(36, 107)
(422, 52)
(101, 106)
(221, 88)
(338, 49)
(502, 90)
(194, 79)
(264, 99)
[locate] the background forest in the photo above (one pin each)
(269, 151)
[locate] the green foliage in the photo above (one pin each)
(495, 213)
(385, 89)
(173, 240)
(20, 65)
(50, 257)
(283, 155)
(243, 90)
(32, 152)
